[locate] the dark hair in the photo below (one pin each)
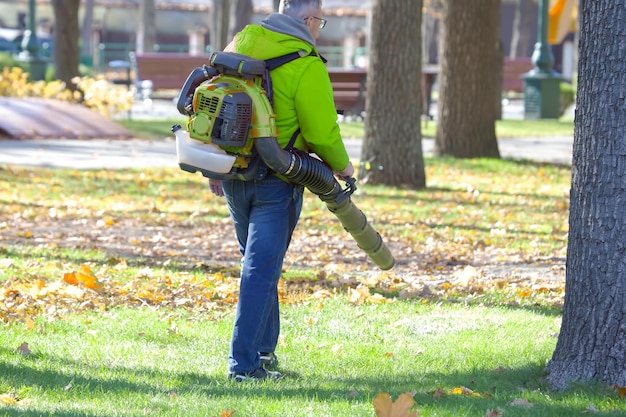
(299, 9)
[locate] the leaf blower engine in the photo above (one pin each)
(231, 134)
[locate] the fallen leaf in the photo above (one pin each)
(69, 386)
(8, 399)
(463, 391)
(385, 407)
(352, 393)
(227, 413)
(498, 412)
(23, 349)
(438, 393)
(621, 391)
(521, 402)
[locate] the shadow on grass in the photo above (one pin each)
(493, 389)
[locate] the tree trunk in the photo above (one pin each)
(521, 37)
(221, 20)
(526, 44)
(393, 137)
(467, 83)
(66, 36)
(276, 4)
(592, 341)
(241, 16)
(146, 35)
(86, 32)
(430, 25)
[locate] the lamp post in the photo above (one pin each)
(542, 83)
(30, 47)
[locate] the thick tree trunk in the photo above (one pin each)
(467, 83)
(393, 137)
(592, 341)
(66, 36)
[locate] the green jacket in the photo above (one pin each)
(303, 95)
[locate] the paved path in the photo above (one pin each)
(114, 154)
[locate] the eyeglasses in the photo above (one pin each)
(322, 21)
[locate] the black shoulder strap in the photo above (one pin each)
(273, 63)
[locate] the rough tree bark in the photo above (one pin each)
(393, 137)
(66, 36)
(468, 78)
(592, 341)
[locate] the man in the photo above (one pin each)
(265, 212)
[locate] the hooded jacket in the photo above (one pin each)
(303, 95)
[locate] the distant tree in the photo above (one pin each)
(146, 34)
(66, 36)
(220, 18)
(467, 83)
(86, 30)
(430, 28)
(393, 137)
(592, 340)
(522, 35)
(241, 15)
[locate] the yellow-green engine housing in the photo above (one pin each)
(230, 112)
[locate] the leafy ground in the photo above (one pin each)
(158, 236)
(118, 289)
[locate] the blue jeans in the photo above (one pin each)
(264, 214)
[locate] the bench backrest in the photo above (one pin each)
(166, 70)
(512, 71)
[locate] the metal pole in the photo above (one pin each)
(32, 45)
(541, 84)
(542, 55)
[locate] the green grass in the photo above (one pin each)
(335, 358)
(509, 128)
(155, 340)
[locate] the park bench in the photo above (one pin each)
(162, 71)
(349, 90)
(513, 70)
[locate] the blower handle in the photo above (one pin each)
(193, 81)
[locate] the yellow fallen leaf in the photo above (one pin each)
(8, 399)
(463, 391)
(621, 391)
(385, 407)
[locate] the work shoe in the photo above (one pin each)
(268, 360)
(258, 374)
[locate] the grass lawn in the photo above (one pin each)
(118, 291)
(455, 360)
(156, 129)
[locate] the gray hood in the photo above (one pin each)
(281, 23)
